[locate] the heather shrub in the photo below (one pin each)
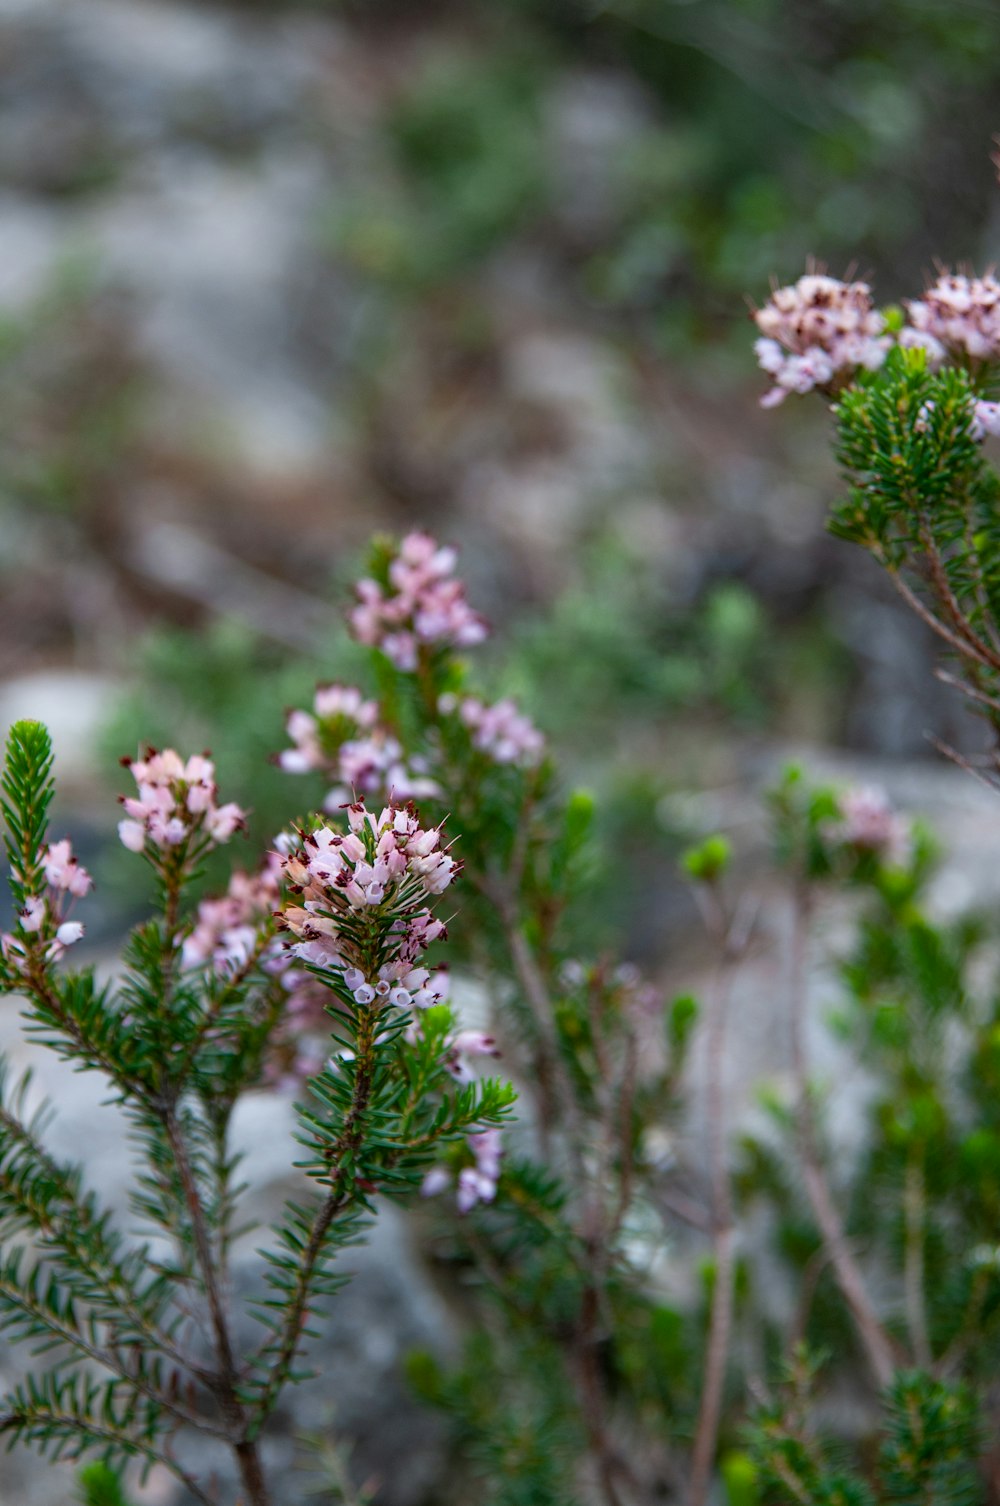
(620, 1347)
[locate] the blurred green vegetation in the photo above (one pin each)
(652, 693)
(760, 133)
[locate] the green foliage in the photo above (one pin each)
(576, 1343)
(748, 136)
(71, 396)
(462, 139)
(513, 1420)
(27, 791)
(100, 1486)
(927, 1456)
(708, 862)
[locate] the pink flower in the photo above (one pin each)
(227, 930)
(176, 801)
(437, 1180)
(869, 823)
(63, 871)
(132, 835)
(465, 1044)
(341, 738)
(476, 1183)
(423, 604)
(33, 915)
(959, 315)
(224, 821)
(500, 731)
(818, 333)
(385, 867)
(985, 420)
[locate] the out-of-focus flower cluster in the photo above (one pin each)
(423, 605)
(500, 731)
(227, 931)
(637, 995)
(476, 1183)
(341, 739)
(44, 921)
(339, 713)
(868, 823)
(958, 316)
(358, 903)
(176, 801)
(818, 332)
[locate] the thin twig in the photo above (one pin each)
(942, 585)
(964, 763)
(227, 1377)
(972, 691)
(335, 1201)
(959, 644)
(877, 1344)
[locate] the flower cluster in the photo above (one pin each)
(176, 801)
(423, 604)
(227, 930)
(45, 919)
(959, 316)
(817, 333)
(868, 823)
(339, 713)
(341, 738)
(476, 1183)
(358, 903)
(500, 731)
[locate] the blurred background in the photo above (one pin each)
(276, 275)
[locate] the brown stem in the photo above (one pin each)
(877, 1344)
(973, 692)
(227, 1375)
(671, 1200)
(953, 1356)
(338, 1198)
(942, 586)
(959, 644)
